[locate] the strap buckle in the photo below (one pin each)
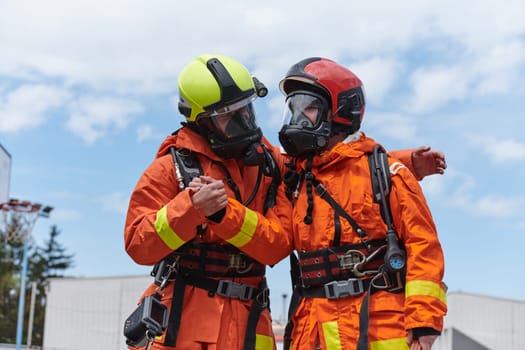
(263, 297)
(230, 289)
(341, 289)
(163, 271)
(391, 282)
(239, 263)
(351, 258)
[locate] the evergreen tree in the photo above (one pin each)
(48, 261)
(9, 283)
(45, 262)
(10, 262)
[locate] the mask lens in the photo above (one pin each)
(232, 124)
(305, 110)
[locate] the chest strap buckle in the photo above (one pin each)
(340, 289)
(230, 289)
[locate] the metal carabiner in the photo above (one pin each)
(356, 268)
(169, 269)
(151, 340)
(350, 259)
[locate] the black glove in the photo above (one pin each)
(421, 331)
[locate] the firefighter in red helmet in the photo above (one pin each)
(369, 264)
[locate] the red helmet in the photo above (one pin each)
(331, 84)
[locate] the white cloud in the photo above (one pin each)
(436, 86)
(393, 125)
(92, 117)
(378, 75)
(498, 206)
(66, 214)
(87, 42)
(458, 190)
(497, 67)
(146, 132)
(115, 202)
(28, 106)
(499, 150)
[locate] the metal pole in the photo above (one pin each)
(21, 301)
(31, 315)
(284, 316)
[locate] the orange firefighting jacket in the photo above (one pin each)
(161, 219)
(334, 323)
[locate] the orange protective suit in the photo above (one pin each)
(161, 219)
(334, 323)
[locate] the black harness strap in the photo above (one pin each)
(323, 193)
(259, 303)
(362, 342)
(175, 313)
(295, 299)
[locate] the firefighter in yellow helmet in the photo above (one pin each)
(215, 293)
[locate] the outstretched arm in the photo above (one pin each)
(422, 161)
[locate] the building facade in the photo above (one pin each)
(88, 313)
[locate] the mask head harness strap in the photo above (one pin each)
(229, 89)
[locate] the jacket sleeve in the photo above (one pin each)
(266, 238)
(425, 293)
(160, 217)
(405, 157)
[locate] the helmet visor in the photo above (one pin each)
(305, 110)
(230, 122)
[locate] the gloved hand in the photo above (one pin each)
(208, 195)
(428, 162)
(423, 342)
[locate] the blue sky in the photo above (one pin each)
(87, 91)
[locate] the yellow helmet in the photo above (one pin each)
(212, 83)
(216, 94)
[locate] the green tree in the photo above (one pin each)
(8, 293)
(48, 261)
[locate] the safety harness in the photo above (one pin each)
(212, 266)
(345, 270)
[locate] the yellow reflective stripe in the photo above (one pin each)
(263, 342)
(427, 288)
(389, 344)
(331, 335)
(168, 236)
(247, 229)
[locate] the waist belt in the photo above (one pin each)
(229, 289)
(340, 263)
(207, 260)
